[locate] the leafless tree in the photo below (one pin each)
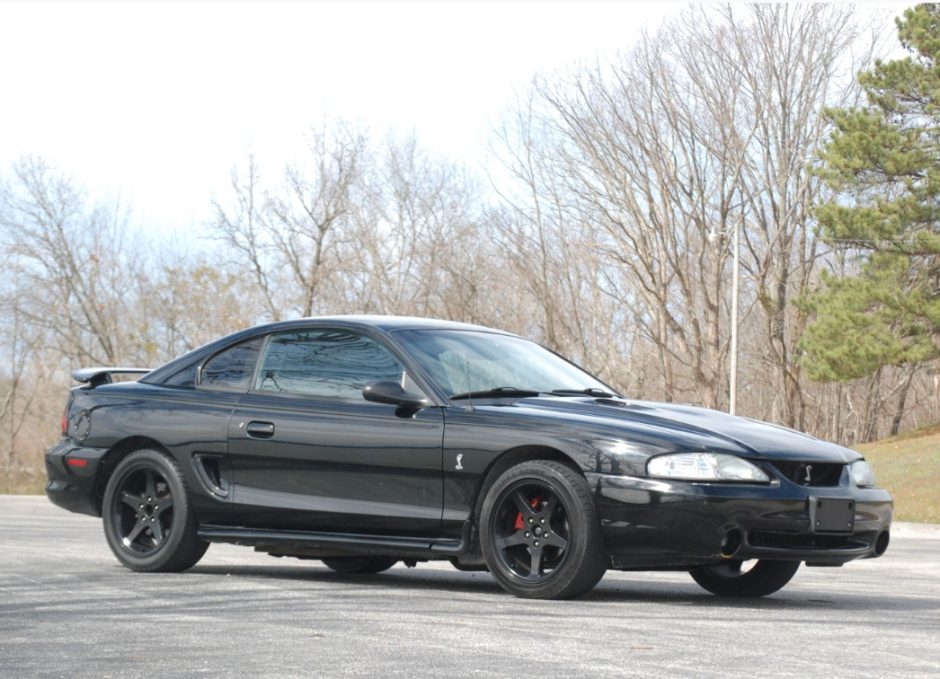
(427, 239)
(794, 62)
(72, 260)
(706, 126)
(291, 236)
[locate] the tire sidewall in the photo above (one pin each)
(137, 461)
(560, 577)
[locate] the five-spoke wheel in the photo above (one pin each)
(532, 531)
(539, 532)
(147, 519)
(144, 515)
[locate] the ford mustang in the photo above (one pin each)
(367, 441)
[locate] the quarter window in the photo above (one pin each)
(231, 370)
(182, 378)
(333, 363)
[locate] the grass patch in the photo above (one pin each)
(909, 467)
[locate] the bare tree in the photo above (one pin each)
(555, 254)
(412, 231)
(706, 126)
(637, 174)
(72, 260)
(187, 300)
(794, 62)
(291, 236)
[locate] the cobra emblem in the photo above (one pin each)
(809, 469)
(458, 466)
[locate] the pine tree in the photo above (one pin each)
(883, 161)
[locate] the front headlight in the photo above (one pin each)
(704, 467)
(862, 474)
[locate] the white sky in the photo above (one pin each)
(156, 102)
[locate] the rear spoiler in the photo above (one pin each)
(94, 377)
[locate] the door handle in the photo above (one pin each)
(260, 430)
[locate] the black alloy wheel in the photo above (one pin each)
(147, 520)
(143, 512)
(539, 532)
(744, 579)
(532, 531)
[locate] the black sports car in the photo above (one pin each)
(364, 441)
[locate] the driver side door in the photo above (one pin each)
(309, 453)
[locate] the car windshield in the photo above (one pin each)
(466, 361)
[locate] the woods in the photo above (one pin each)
(604, 229)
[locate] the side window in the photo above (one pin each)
(231, 370)
(333, 363)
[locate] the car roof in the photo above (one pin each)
(386, 323)
(381, 323)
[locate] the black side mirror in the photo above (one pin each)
(386, 391)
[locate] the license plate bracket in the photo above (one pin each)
(831, 514)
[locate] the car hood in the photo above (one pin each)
(694, 428)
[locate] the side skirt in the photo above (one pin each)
(337, 544)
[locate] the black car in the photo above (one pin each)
(365, 441)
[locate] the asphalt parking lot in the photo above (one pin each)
(67, 610)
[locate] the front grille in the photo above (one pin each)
(811, 473)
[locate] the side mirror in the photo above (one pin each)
(386, 391)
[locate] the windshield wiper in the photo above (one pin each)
(590, 391)
(514, 392)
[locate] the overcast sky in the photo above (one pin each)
(156, 102)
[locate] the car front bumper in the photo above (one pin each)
(72, 473)
(653, 523)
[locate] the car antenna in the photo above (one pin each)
(466, 366)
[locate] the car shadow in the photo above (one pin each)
(607, 591)
(398, 577)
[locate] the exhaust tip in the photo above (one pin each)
(731, 543)
(881, 544)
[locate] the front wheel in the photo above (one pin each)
(539, 532)
(745, 579)
(148, 521)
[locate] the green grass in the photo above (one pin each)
(909, 467)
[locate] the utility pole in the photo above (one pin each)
(715, 237)
(735, 282)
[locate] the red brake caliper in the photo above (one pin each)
(534, 503)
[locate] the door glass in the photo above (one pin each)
(334, 363)
(231, 370)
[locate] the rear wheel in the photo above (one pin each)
(745, 578)
(539, 532)
(361, 565)
(147, 518)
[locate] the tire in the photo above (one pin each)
(728, 580)
(148, 522)
(539, 532)
(359, 565)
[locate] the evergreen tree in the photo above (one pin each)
(883, 161)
